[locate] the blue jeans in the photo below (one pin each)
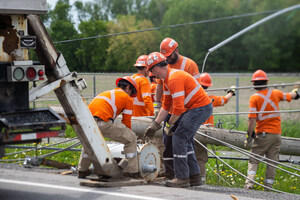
(185, 162)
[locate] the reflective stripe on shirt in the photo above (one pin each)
(112, 101)
(182, 67)
(137, 77)
(137, 102)
(128, 112)
(196, 76)
(263, 107)
(146, 94)
(182, 93)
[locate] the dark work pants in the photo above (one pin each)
(168, 152)
(180, 146)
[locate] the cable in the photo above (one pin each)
(250, 154)
(41, 147)
(56, 152)
(170, 26)
(237, 170)
(218, 174)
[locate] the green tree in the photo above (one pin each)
(274, 46)
(62, 28)
(125, 49)
(92, 53)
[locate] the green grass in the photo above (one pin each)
(283, 181)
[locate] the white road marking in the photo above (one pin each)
(78, 189)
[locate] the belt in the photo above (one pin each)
(264, 133)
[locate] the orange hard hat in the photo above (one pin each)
(205, 80)
(167, 46)
(154, 59)
(131, 81)
(259, 75)
(141, 61)
(150, 74)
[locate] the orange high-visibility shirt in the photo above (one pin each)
(183, 92)
(109, 104)
(267, 100)
(217, 101)
(187, 65)
(152, 90)
(142, 103)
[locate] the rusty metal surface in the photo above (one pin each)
(10, 28)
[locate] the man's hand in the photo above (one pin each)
(149, 133)
(297, 93)
(168, 129)
(232, 90)
(249, 139)
(156, 106)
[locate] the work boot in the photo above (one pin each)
(249, 184)
(268, 185)
(195, 180)
(83, 174)
(178, 182)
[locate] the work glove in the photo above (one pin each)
(249, 139)
(168, 129)
(232, 89)
(156, 106)
(297, 93)
(149, 133)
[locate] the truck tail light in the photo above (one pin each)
(18, 73)
(30, 73)
(41, 72)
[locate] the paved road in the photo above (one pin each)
(25, 184)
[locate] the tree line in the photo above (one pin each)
(273, 46)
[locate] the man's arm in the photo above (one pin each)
(161, 115)
(251, 126)
(158, 92)
(250, 136)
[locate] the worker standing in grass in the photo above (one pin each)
(201, 153)
(169, 49)
(105, 107)
(142, 103)
(267, 135)
(190, 108)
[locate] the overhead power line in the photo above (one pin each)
(170, 26)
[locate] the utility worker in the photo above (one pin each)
(169, 49)
(142, 103)
(201, 153)
(267, 135)
(190, 108)
(153, 84)
(105, 107)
